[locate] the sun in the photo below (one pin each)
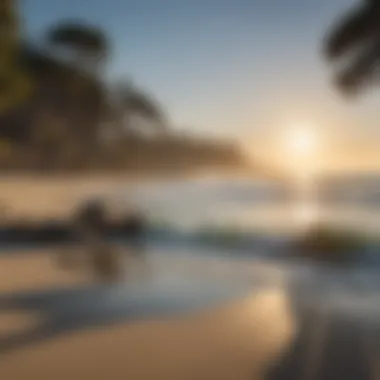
(301, 143)
(301, 150)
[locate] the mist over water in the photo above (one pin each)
(251, 205)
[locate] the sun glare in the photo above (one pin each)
(302, 143)
(300, 147)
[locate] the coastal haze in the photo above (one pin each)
(189, 190)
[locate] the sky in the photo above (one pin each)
(246, 69)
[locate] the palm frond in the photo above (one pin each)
(360, 70)
(360, 25)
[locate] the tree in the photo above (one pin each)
(131, 103)
(85, 44)
(14, 85)
(86, 49)
(71, 100)
(354, 43)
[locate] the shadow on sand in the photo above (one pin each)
(68, 310)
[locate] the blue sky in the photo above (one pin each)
(229, 67)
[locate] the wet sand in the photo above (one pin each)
(190, 318)
(215, 336)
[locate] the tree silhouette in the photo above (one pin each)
(354, 44)
(60, 124)
(87, 44)
(14, 85)
(131, 102)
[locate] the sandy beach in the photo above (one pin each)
(235, 339)
(185, 316)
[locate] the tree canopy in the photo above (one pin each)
(14, 85)
(354, 45)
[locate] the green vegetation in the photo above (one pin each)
(14, 86)
(228, 237)
(332, 245)
(72, 118)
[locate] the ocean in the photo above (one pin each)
(254, 207)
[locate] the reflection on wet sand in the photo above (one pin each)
(172, 325)
(191, 317)
(233, 341)
(338, 329)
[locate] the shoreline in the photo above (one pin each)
(199, 342)
(25, 195)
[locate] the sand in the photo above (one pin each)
(53, 196)
(35, 270)
(236, 340)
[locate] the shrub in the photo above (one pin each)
(324, 243)
(221, 236)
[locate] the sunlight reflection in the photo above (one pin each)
(305, 213)
(305, 210)
(267, 321)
